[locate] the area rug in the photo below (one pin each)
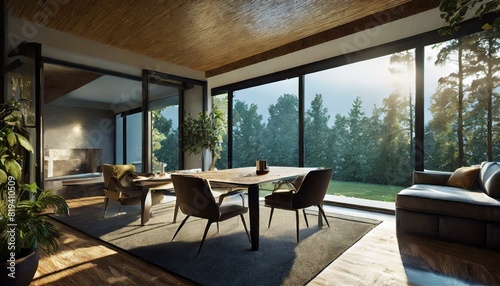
(226, 258)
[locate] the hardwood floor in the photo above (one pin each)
(84, 260)
(379, 258)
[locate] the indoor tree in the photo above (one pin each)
(205, 131)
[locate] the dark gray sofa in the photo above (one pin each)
(433, 208)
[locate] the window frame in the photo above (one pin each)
(417, 42)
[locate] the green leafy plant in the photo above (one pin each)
(205, 131)
(23, 224)
(454, 12)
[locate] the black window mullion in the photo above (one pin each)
(301, 120)
(419, 107)
(230, 96)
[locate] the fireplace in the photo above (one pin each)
(64, 162)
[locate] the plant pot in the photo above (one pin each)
(25, 269)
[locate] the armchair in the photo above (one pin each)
(118, 187)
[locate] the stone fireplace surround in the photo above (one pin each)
(71, 162)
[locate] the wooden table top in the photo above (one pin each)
(247, 175)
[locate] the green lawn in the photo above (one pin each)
(365, 191)
(352, 189)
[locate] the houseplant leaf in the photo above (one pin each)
(11, 138)
(3, 177)
(13, 168)
(25, 143)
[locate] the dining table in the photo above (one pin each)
(247, 177)
(148, 185)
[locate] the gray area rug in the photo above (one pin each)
(226, 258)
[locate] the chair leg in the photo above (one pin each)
(204, 236)
(270, 218)
(323, 213)
(180, 226)
(106, 200)
(305, 217)
(176, 210)
(297, 222)
(242, 195)
(246, 229)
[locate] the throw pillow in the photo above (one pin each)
(463, 177)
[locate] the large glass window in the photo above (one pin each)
(462, 124)
(359, 121)
(164, 107)
(359, 115)
(265, 124)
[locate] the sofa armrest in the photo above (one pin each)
(431, 177)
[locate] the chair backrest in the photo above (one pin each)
(313, 189)
(194, 197)
(117, 171)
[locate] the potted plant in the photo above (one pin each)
(205, 131)
(23, 226)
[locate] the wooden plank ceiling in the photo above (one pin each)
(214, 36)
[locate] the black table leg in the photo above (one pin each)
(253, 205)
(146, 204)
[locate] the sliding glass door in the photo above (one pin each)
(164, 109)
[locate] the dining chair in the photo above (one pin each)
(195, 198)
(311, 191)
(218, 189)
(118, 187)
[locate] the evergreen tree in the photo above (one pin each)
(454, 51)
(484, 64)
(248, 140)
(353, 159)
(317, 133)
(394, 156)
(403, 63)
(440, 148)
(281, 133)
(339, 145)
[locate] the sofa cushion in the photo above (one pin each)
(449, 201)
(490, 178)
(464, 177)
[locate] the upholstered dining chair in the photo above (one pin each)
(311, 191)
(119, 188)
(195, 198)
(219, 190)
